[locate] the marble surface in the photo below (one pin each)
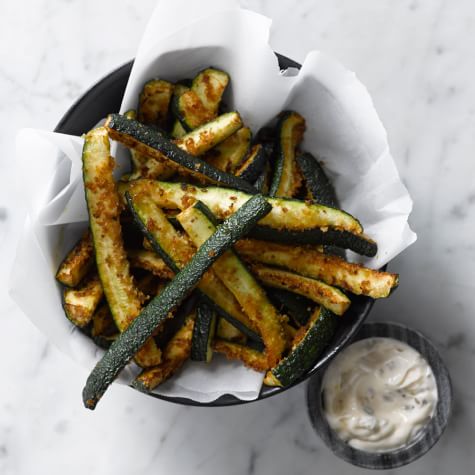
(416, 58)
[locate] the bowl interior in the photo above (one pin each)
(105, 97)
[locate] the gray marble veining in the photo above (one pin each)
(416, 58)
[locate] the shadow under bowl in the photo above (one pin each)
(427, 436)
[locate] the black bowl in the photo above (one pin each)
(105, 97)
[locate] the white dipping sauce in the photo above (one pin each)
(378, 393)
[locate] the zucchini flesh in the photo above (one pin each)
(175, 354)
(203, 333)
(104, 209)
(330, 269)
(210, 85)
(287, 178)
(229, 154)
(210, 134)
(176, 251)
(190, 111)
(103, 328)
(154, 102)
(150, 261)
(77, 263)
(145, 167)
(316, 290)
(252, 358)
(296, 306)
(356, 242)
(305, 351)
(286, 214)
(319, 186)
(198, 224)
(129, 342)
(253, 165)
(156, 145)
(172, 325)
(81, 303)
(227, 331)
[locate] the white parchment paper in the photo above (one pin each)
(343, 128)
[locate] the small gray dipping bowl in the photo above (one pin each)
(426, 438)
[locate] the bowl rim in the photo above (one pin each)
(68, 125)
(429, 434)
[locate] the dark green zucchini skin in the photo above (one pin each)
(251, 334)
(170, 263)
(253, 165)
(135, 335)
(296, 306)
(319, 186)
(203, 333)
(179, 111)
(157, 140)
(304, 354)
(332, 237)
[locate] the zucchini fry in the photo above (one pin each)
(203, 333)
(177, 130)
(154, 102)
(190, 111)
(319, 187)
(286, 214)
(330, 269)
(77, 263)
(133, 338)
(316, 290)
(104, 330)
(176, 250)
(229, 154)
(175, 354)
(227, 331)
(198, 223)
(253, 165)
(329, 236)
(234, 351)
(307, 346)
(145, 167)
(210, 85)
(287, 177)
(149, 260)
(104, 208)
(199, 104)
(81, 303)
(181, 155)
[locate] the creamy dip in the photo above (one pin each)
(378, 394)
